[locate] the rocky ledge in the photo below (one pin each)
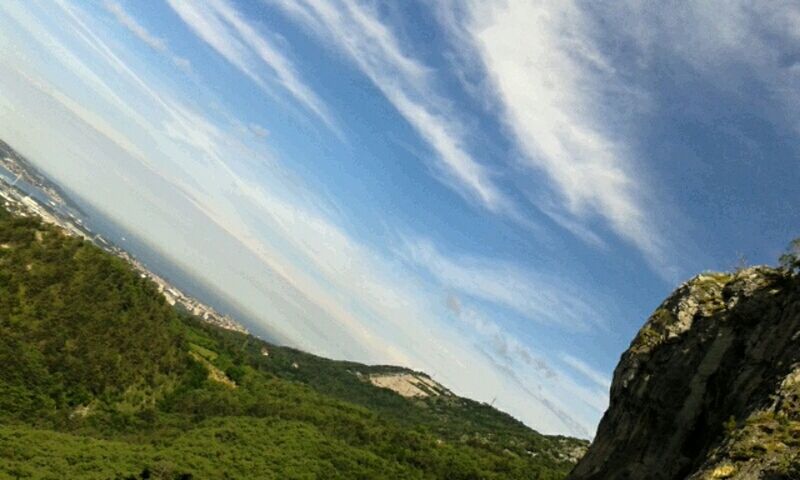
(710, 386)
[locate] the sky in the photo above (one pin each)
(495, 192)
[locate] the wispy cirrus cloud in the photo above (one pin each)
(356, 30)
(502, 344)
(532, 371)
(729, 43)
(545, 299)
(219, 24)
(156, 43)
(564, 101)
(571, 82)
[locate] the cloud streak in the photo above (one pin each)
(729, 43)
(357, 32)
(224, 29)
(156, 43)
(544, 299)
(532, 371)
(502, 344)
(552, 82)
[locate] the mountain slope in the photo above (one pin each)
(100, 378)
(710, 386)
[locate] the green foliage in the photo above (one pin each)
(100, 378)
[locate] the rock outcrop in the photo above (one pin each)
(409, 385)
(710, 386)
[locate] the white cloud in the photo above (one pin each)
(553, 82)
(545, 299)
(212, 30)
(356, 30)
(501, 343)
(123, 17)
(566, 77)
(222, 27)
(156, 43)
(532, 371)
(557, 93)
(730, 43)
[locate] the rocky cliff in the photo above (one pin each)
(710, 386)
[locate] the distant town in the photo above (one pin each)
(27, 192)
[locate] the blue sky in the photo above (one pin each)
(496, 192)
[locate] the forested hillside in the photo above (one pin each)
(100, 378)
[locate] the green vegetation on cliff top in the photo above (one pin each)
(100, 378)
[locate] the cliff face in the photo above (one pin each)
(710, 386)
